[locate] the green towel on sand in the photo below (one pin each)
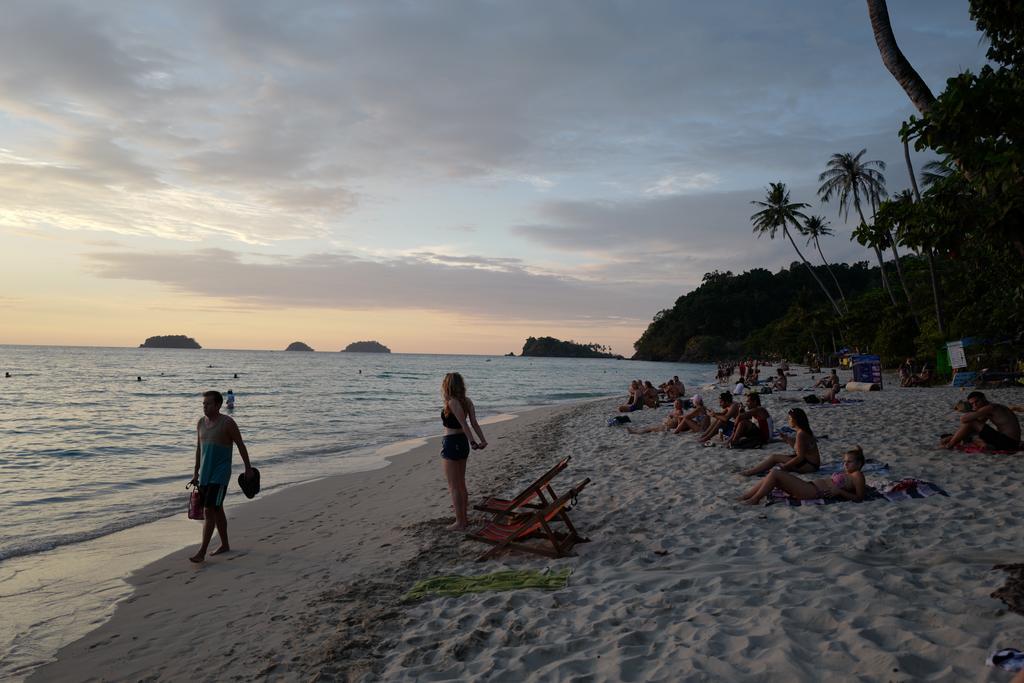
(498, 581)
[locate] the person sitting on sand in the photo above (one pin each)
(696, 420)
(753, 426)
(847, 485)
(722, 419)
(670, 422)
(650, 394)
(1003, 435)
(780, 383)
(921, 379)
(906, 371)
(805, 457)
(674, 388)
(636, 398)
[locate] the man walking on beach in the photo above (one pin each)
(216, 434)
(1004, 437)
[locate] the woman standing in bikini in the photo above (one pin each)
(805, 457)
(458, 416)
(847, 485)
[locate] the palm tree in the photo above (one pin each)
(854, 181)
(778, 212)
(911, 82)
(936, 170)
(814, 228)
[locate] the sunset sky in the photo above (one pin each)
(445, 177)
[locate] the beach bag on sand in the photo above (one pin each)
(195, 503)
(618, 420)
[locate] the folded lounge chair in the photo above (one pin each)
(501, 507)
(536, 524)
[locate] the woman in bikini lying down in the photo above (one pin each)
(848, 485)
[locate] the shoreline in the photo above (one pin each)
(176, 536)
(678, 581)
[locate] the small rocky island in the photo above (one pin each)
(298, 346)
(366, 347)
(170, 341)
(556, 348)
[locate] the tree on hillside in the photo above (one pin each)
(854, 181)
(814, 228)
(977, 121)
(779, 213)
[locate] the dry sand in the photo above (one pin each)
(679, 582)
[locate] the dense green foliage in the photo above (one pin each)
(964, 276)
(170, 341)
(556, 348)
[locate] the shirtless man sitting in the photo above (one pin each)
(722, 419)
(754, 423)
(1003, 435)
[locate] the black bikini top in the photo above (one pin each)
(450, 421)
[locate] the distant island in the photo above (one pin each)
(170, 341)
(366, 347)
(556, 348)
(298, 346)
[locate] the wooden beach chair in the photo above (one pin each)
(501, 507)
(537, 524)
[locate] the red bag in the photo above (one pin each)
(195, 503)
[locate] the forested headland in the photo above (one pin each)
(556, 348)
(947, 254)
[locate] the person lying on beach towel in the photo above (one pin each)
(670, 422)
(805, 457)
(721, 419)
(1003, 435)
(876, 488)
(847, 485)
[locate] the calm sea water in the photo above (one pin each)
(93, 463)
(86, 449)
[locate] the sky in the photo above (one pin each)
(443, 176)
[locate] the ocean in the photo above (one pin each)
(91, 457)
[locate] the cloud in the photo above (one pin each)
(680, 183)
(481, 287)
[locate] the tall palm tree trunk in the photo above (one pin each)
(903, 282)
(881, 264)
(828, 267)
(929, 254)
(813, 274)
(917, 90)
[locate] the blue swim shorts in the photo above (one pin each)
(455, 447)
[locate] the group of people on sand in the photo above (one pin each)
(643, 394)
(909, 378)
(1003, 434)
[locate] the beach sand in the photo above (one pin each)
(679, 581)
